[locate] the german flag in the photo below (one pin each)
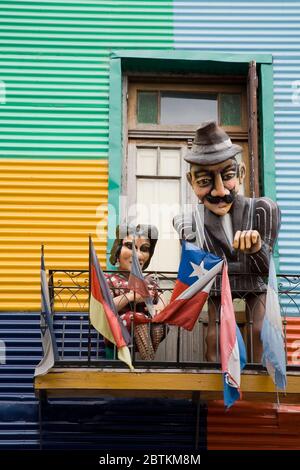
(103, 314)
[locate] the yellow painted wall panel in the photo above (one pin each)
(48, 202)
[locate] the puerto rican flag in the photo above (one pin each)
(196, 275)
(233, 351)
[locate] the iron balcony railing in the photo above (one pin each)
(80, 345)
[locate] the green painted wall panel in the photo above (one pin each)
(54, 62)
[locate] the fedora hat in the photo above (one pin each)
(211, 145)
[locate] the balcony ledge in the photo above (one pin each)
(84, 382)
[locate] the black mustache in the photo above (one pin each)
(228, 198)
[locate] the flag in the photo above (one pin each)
(103, 313)
(232, 347)
(47, 330)
(196, 275)
(137, 282)
(273, 357)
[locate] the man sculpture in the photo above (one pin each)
(243, 230)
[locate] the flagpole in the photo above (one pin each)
(90, 280)
(178, 345)
(48, 312)
(134, 313)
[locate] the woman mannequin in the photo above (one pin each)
(147, 337)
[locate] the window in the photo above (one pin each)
(155, 191)
(188, 108)
(184, 105)
(162, 118)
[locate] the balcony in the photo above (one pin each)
(179, 368)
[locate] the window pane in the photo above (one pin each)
(169, 162)
(188, 108)
(147, 106)
(146, 161)
(230, 109)
(239, 159)
(158, 203)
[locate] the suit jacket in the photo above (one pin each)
(205, 229)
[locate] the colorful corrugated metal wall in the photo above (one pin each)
(54, 90)
(46, 202)
(293, 340)
(102, 424)
(259, 26)
(253, 426)
(54, 87)
(271, 26)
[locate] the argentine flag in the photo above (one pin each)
(273, 357)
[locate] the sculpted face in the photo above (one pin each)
(142, 246)
(217, 185)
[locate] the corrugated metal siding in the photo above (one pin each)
(55, 65)
(52, 203)
(253, 426)
(293, 340)
(103, 424)
(158, 426)
(260, 26)
(23, 351)
(55, 72)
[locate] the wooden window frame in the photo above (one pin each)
(201, 84)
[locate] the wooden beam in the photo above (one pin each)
(79, 381)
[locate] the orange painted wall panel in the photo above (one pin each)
(253, 426)
(50, 202)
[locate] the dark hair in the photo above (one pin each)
(140, 230)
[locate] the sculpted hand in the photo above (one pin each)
(157, 310)
(248, 241)
(138, 298)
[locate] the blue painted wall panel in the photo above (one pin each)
(104, 424)
(265, 27)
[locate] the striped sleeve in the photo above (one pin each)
(184, 226)
(267, 223)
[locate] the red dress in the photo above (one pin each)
(147, 336)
